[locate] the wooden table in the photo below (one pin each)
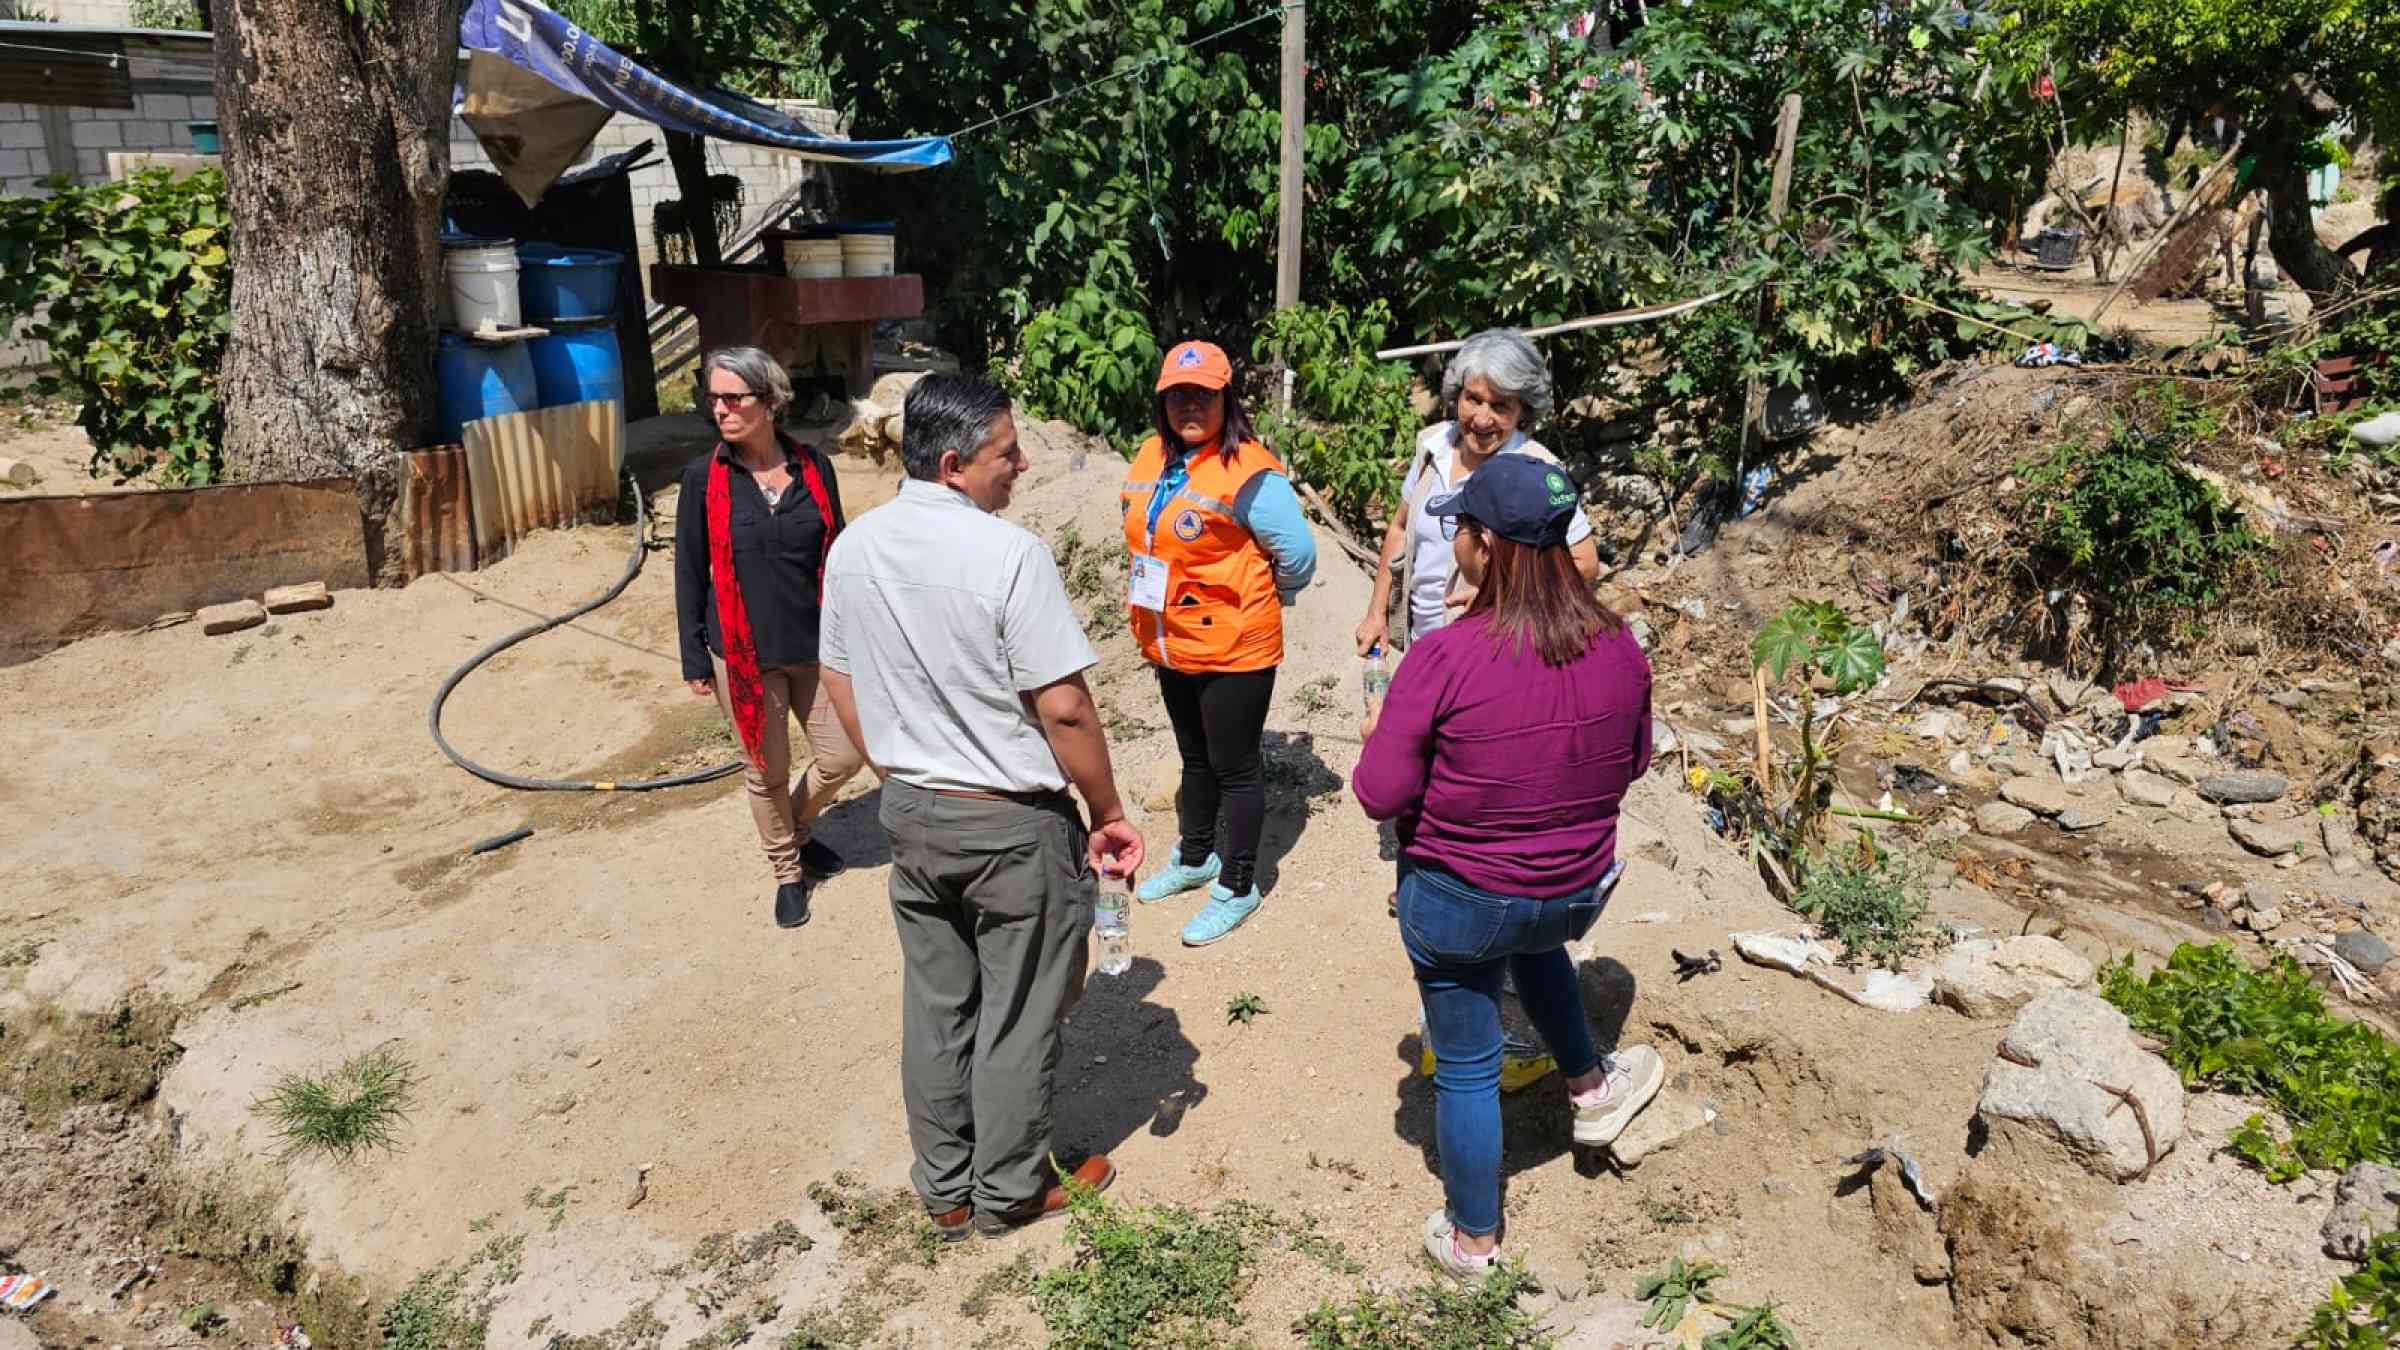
(765, 309)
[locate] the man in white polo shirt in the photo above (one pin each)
(955, 661)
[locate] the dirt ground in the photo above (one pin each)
(619, 1055)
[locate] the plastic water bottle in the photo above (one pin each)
(1116, 939)
(1376, 678)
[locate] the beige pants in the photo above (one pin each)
(785, 821)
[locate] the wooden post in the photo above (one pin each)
(1295, 120)
(1779, 192)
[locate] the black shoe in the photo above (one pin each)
(791, 904)
(820, 862)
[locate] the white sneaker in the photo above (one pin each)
(1634, 1075)
(1441, 1248)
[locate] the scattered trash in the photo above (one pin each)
(292, 1338)
(1910, 1176)
(1894, 992)
(1694, 608)
(23, 1293)
(1754, 488)
(2139, 694)
(1789, 952)
(128, 1284)
(522, 832)
(2381, 432)
(1688, 967)
(1908, 778)
(2066, 747)
(2049, 354)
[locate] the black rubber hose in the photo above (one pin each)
(633, 568)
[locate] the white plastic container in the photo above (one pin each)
(812, 258)
(483, 285)
(866, 255)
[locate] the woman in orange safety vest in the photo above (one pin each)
(1219, 548)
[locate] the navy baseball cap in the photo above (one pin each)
(1516, 497)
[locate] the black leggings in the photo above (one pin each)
(1218, 721)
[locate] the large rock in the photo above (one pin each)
(2366, 1202)
(2364, 950)
(1671, 1117)
(2001, 818)
(2042, 796)
(2264, 838)
(2063, 1048)
(2141, 787)
(232, 617)
(1987, 977)
(2246, 786)
(2182, 766)
(2341, 845)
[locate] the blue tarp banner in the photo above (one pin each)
(529, 35)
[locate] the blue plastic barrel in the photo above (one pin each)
(481, 379)
(577, 364)
(555, 282)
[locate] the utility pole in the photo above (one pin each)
(1295, 120)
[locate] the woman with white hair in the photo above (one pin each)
(1496, 386)
(757, 515)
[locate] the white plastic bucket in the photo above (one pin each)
(483, 285)
(866, 255)
(812, 258)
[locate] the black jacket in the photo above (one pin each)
(778, 554)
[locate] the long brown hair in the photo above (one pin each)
(1237, 433)
(1535, 598)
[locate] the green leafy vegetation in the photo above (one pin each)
(127, 285)
(1354, 428)
(890, 1224)
(450, 1307)
(183, 16)
(1146, 1276)
(1758, 1328)
(1810, 640)
(1871, 901)
(2335, 1084)
(1440, 1314)
(359, 1105)
(2363, 1311)
(2127, 524)
(1244, 1007)
(1672, 1289)
(1090, 360)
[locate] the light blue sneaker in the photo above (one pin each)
(1223, 913)
(1175, 878)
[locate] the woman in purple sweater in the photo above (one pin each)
(1503, 750)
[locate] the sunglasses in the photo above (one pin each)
(740, 400)
(1451, 524)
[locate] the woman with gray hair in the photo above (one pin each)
(757, 514)
(1495, 387)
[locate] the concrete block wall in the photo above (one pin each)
(88, 13)
(37, 141)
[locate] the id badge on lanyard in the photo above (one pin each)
(1146, 583)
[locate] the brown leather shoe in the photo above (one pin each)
(1096, 1171)
(955, 1224)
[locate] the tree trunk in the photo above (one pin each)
(688, 154)
(2291, 232)
(337, 148)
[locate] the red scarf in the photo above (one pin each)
(733, 617)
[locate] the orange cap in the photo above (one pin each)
(1200, 363)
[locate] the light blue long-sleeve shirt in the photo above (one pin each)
(1269, 509)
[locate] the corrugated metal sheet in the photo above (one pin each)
(80, 71)
(74, 566)
(542, 470)
(437, 521)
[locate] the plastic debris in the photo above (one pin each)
(1688, 967)
(1894, 992)
(2049, 354)
(2139, 694)
(2066, 747)
(1754, 488)
(292, 1338)
(1792, 952)
(23, 1293)
(1910, 1175)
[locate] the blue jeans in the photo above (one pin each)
(1459, 938)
